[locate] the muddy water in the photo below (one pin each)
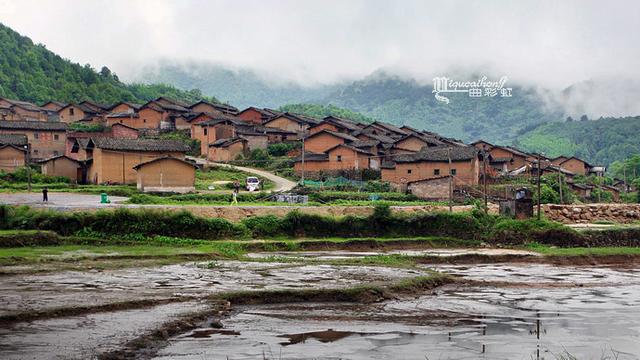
(84, 337)
(531, 312)
(22, 293)
(334, 255)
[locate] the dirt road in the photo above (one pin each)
(281, 184)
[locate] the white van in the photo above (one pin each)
(253, 183)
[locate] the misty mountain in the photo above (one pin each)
(241, 88)
(405, 102)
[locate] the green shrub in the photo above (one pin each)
(281, 149)
(331, 196)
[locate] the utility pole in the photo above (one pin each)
(28, 167)
(539, 171)
(560, 183)
(450, 181)
(484, 179)
(624, 177)
(302, 177)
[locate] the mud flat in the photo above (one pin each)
(523, 312)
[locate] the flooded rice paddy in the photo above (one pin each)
(496, 311)
(589, 313)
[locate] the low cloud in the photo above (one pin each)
(546, 44)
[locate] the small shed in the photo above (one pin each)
(435, 188)
(166, 174)
(63, 165)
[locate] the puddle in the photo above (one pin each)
(520, 321)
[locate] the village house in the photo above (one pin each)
(16, 110)
(214, 109)
(333, 161)
(63, 165)
(124, 107)
(227, 149)
(292, 122)
(76, 150)
(381, 128)
(46, 139)
(54, 106)
(460, 162)
(573, 164)
(336, 124)
(256, 115)
(78, 112)
(113, 160)
(319, 142)
(415, 142)
(160, 113)
(166, 174)
(432, 189)
(13, 152)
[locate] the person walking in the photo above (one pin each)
(234, 200)
(45, 194)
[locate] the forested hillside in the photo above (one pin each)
(31, 72)
(600, 141)
(321, 111)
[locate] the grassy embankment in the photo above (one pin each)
(130, 235)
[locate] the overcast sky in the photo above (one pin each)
(547, 43)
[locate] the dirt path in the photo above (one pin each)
(281, 184)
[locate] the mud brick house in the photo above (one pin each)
(63, 166)
(160, 113)
(414, 142)
(256, 115)
(46, 139)
(113, 160)
(79, 112)
(54, 106)
(380, 128)
(432, 163)
(225, 150)
(166, 174)
(76, 150)
(13, 152)
(336, 124)
(17, 110)
(575, 165)
(292, 122)
(227, 127)
(124, 107)
(320, 141)
(333, 161)
(124, 118)
(214, 109)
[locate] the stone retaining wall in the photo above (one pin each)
(573, 214)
